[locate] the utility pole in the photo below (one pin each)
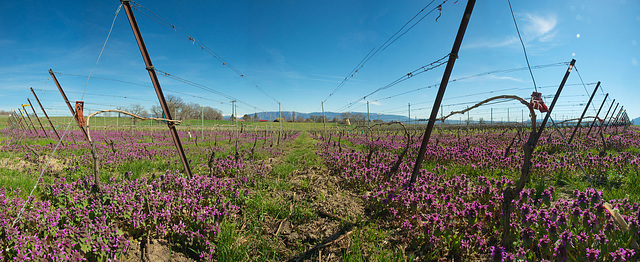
(280, 112)
(66, 100)
(233, 107)
(443, 86)
(324, 118)
(280, 122)
(508, 115)
(202, 116)
(156, 85)
(584, 112)
(36, 115)
(492, 116)
(368, 118)
(408, 111)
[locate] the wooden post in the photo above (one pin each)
(156, 85)
(583, 112)
(443, 86)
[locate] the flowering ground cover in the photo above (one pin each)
(337, 196)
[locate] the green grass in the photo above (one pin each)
(12, 179)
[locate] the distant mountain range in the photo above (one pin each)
(270, 116)
(330, 115)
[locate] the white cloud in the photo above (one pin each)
(534, 28)
(372, 103)
(506, 78)
(539, 26)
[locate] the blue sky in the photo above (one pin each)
(298, 52)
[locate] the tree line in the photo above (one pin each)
(179, 109)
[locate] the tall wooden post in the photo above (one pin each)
(598, 113)
(36, 115)
(156, 85)
(443, 86)
(583, 112)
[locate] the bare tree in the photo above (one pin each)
(246, 117)
(139, 110)
(212, 113)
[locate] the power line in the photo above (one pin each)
(478, 75)
(422, 69)
(203, 47)
(392, 39)
(138, 84)
(585, 87)
(523, 48)
(203, 87)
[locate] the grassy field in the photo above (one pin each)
(258, 194)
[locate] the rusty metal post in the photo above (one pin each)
(553, 103)
(596, 117)
(584, 112)
(37, 118)
(24, 120)
(156, 84)
(617, 119)
(16, 120)
(443, 86)
(15, 116)
(610, 117)
(28, 117)
(66, 100)
(605, 116)
(45, 113)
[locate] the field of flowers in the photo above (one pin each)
(306, 194)
(454, 210)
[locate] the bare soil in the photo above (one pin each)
(336, 213)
